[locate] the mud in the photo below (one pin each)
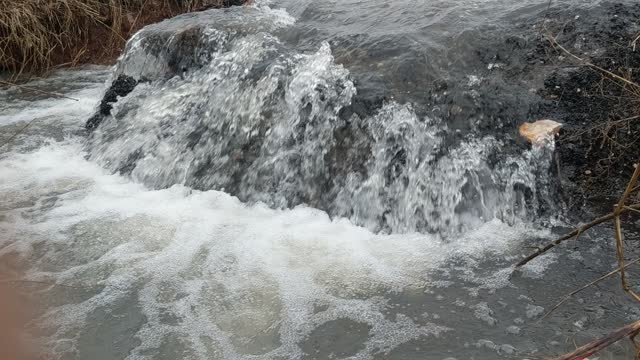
(598, 147)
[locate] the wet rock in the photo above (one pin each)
(234, 2)
(223, 3)
(504, 67)
(122, 86)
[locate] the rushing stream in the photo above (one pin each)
(280, 184)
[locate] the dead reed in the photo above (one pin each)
(38, 34)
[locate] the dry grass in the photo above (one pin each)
(601, 100)
(38, 34)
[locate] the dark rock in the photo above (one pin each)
(122, 86)
(225, 3)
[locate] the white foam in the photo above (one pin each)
(484, 313)
(68, 105)
(226, 270)
(54, 110)
(535, 269)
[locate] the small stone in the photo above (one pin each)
(588, 172)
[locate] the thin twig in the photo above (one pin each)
(630, 186)
(634, 210)
(633, 43)
(569, 295)
(618, 231)
(573, 233)
(594, 346)
(554, 42)
(625, 119)
(10, 139)
(36, 90)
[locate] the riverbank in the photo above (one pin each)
(590, 84)
(595, 92)
(38, 35)
(578, 66)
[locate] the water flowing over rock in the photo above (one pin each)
(223, 104)
(211, 207)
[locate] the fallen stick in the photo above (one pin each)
(28, 88)
(554, 42)
(601, 278)
(575, 233)
(601, 343)
(21, 281)
(14, 135)
(618, 231)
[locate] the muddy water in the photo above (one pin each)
(160, 262)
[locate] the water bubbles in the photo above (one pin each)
(534, 311)
(512, 329)
(484, 313)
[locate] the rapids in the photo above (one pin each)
(268, 190)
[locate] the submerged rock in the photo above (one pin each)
(221, 103)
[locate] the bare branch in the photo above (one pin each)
(599, 344)
(569, 295)
(575, 233)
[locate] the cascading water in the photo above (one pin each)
(235, 110)
(233, 203)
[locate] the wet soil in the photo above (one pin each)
(598, 147)
(586, 78)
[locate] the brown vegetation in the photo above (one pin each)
(612, 85)
(596, 87)
(38, 34)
